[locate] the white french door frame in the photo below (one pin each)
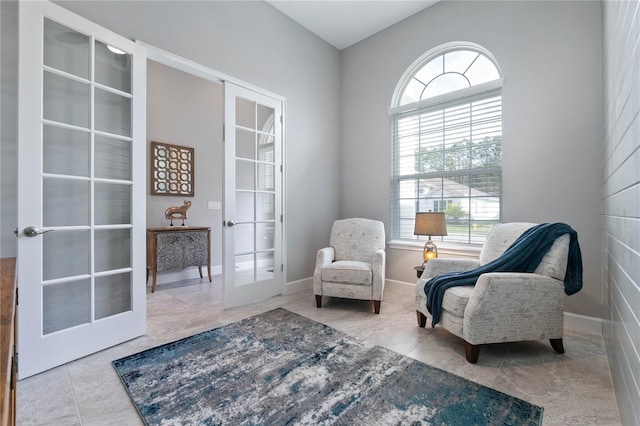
(40, 350)
(190, 67)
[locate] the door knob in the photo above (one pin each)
(230, 223)
(32, 231)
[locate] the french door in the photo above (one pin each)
(253, 265)
(81, 182)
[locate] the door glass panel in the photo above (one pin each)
(265, 266)
(112, 248)
(244, 237)
(113, 295)
(266, 173)
(66, 101)
(246, 113)
(65, 254)
(264, 236)
(245, 269)
(266, 148)
(66, 305)
(113, 113)
(113, 69)
(65, 151)
(245, 177)
(245, 144)
(265, 118)
(265, 204)
(112, 204)
(65, 49)
(244, 206)
(112, 158)
(65, 202)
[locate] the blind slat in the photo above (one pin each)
(449, 159)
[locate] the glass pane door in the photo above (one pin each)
(78, 273)
(253, 182)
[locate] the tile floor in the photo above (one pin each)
(574, 388)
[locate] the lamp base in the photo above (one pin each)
(430, 251)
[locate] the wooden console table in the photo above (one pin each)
(178, 247)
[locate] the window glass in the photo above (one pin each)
(448, 156)
(448, 72)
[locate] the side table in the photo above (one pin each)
(177, 248)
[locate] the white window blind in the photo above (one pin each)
(448, 157)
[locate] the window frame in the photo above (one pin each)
(465, 96)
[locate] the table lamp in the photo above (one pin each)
(430, 223)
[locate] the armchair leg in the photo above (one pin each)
(471, 352)
(319, 300)
(557, 345)
(376, 306)
(422, 319)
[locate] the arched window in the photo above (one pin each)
(446, 119)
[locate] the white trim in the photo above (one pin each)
(445, 249)
(185, 274)
(400, 286)
(438, 101)
(305, 284)
(183, 64)
(432, 53)
(583, 323)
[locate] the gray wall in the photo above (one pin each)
(8, 127)
(550, 55)
(255, 42)
(186, 110)
(621, 22)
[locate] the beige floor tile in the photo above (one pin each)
(574, 388)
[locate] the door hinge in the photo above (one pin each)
(223, 132)
(281, 171)
(281, 219)
(282, 267)
(17, 299)
(281, 120)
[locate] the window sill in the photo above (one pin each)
(445, 249)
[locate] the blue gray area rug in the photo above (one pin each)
(280, 368)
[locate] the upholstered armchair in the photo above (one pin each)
(353, 266)
(502, 306)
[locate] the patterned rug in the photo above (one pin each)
(280, 368)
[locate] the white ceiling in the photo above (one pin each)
(346, 22)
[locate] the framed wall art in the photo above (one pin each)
(172, 169)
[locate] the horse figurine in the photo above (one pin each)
(177, 212)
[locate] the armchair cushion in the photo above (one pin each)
(348, 272)
(356, 239)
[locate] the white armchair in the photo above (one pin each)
(353, 266)
(502, 306)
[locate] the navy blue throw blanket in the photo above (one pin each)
(523, 255)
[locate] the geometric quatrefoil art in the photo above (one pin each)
(171, 169)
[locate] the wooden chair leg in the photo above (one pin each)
(471, 352)
(319, 300)
(557, 345)
(376, 306)
(422, 319)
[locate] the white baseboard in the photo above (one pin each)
(304, 284)
(400, 286)
(184, 274)
(583, 323)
